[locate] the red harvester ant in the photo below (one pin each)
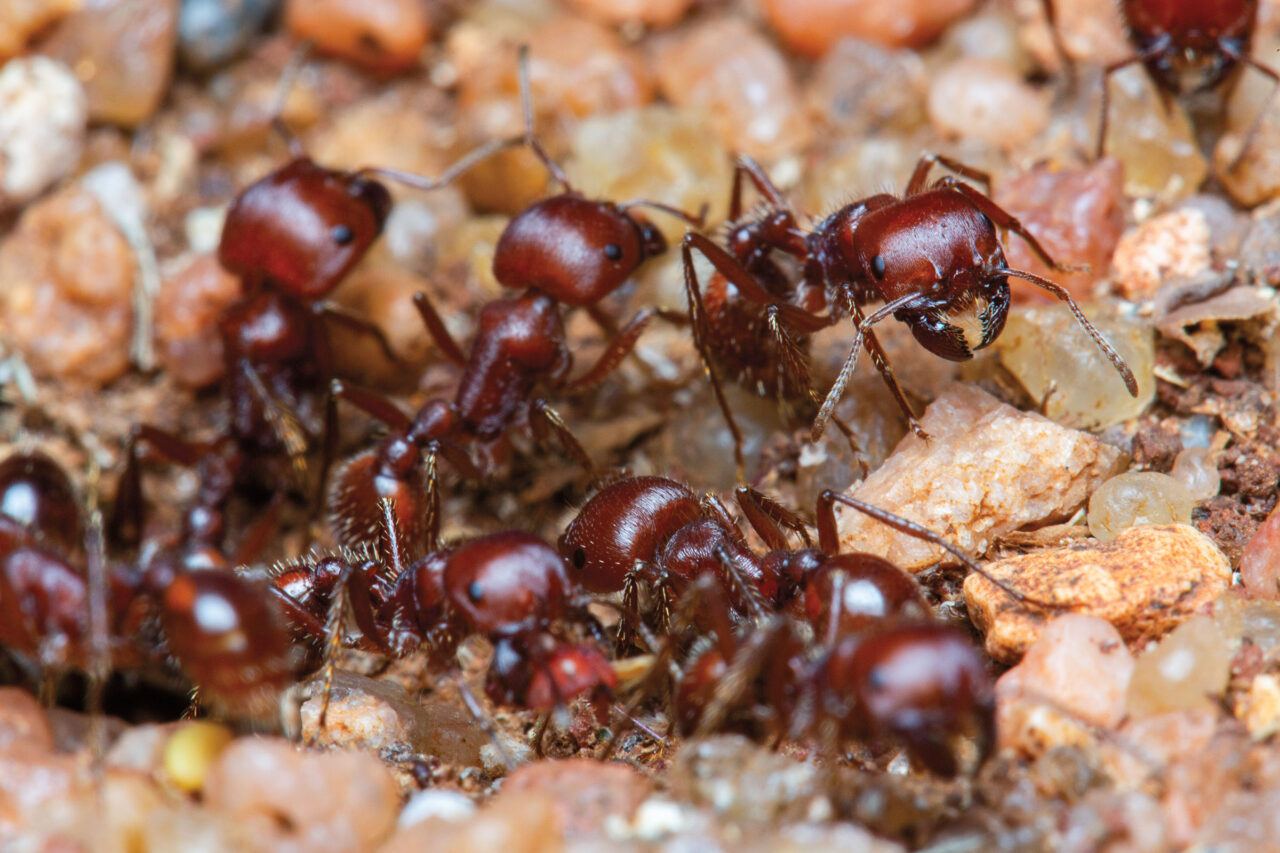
(932, 257)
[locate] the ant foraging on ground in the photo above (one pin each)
(1186, 46)
(65, 604)
(863, 659)
(565, 250)
(933, 257)
(510, 587)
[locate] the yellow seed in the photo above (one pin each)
(190, 752)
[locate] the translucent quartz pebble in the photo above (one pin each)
(1241, 618)
(42, 126)
(811, 27)
(1189, 667)
(1136, 498)
(1260, 562)
(382, 34)
(1155, 143)
(986, 99)
(860, 88)
(192, 296)
(1197, 469)
(1057, 362)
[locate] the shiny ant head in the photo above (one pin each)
(575, 250)
(38, 502)
(505, 583)
(849, 593)
(303, 227)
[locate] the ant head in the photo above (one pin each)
(38, 502)
(575, 250)
(303, 227)
(850, 592)
(1190, 47)
(624, 522)
(969, 322)
(505, 582)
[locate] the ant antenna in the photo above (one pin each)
(697, 221)
(289, 76)
(1103, 344)
(526, 107)
(99, 657)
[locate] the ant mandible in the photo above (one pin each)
(563, 250)
(933, 257)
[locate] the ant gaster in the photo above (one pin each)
(932, 257)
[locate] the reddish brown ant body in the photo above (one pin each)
(565, 250)
(933, 257)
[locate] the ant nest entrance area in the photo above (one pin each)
(586, 424)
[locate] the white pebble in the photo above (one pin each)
(446, 805)
(43, 116)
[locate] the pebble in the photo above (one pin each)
(382, 293)
(989, 33)
(383, 35)
(1199, 324)
(1155, 143)
(67, 297)
(521, 823)
(122, 51)
(657, 153)
(1077, 671)
(20, 20)
(191, 751)
(727, 70)
(1138, 498)
(985, 99)
(192, 296)
(583, 792)
(43, 115)
(1145, 583)
(651, 13)
(1250, 179)
(451, 806)
(1187, 670)
(859, 87)
(1196, 468)
(213, 32)
(1057, 362)
(1077, 214)
(324, 802)
(1161, 741)
(987, 469)
(1091, 32)
(1171, 245)
(811, 27)
(743, 782)
(1260, 562)
(23, 723)
(819, 838)
(1243, 618)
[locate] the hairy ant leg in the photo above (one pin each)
(436, 328)
(766, 517)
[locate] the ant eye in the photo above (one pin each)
(474, 591)
(877, 266)
(613, 252)
(342, 234)
(579, 558)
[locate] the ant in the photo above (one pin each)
(509, 587)
(62, 602)
(932, 257)
(863, 660)
(1186, 46)
(563, 250)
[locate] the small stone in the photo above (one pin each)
(975, 98)
(1078, 665)
(1091, 32)
(23, 721)
(1137, 498)
(43, 113)
(67, 287)
(122, 51)
(1248, 174)
(1172, 245)
(727, 70)
(1261, 711)
(383, 294)
(1057, 362)
(384, 35)
(1076, 213)
(859, 87)
(1159, 741)
(1199, 324)
(1154, 140)
(1187, 670)
(191, 299)
(213, 32)
(191, 751)
(742, 781)
(20, 20)
(1196, 468)
(433, 803)
(33, 780)
(819, 838)
(324, 802)
(811, 27)
(986, 470)
(1146, 582)
(651, 13)
(1260, 562)
(524, 823)
(585, 792)
(1241, 618)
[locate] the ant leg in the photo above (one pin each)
(744, 165)
(741, 278)
(432, 504)
(391, 544)
(261, 532)
(283, 422)
(767, 517)
(865, 336)
(476, 710)
(1002, 218)
(372, 404)
(829, 542)
(847, 432)
(619, 348)
(920, 176)
(743, 670)
(361, 325)
(1059, 46)
(1256, 125)
(745, 589)
(125, 524)
(1101, 144)
(436, 328)
(540, 733)
(544, 417)
(1121, 366)
(606, 323)
(700, 326)
(794, 361)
